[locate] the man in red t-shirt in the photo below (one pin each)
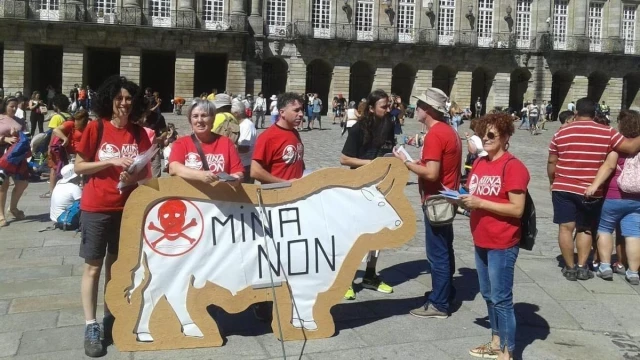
(278, 154)
(575, 154)
(439, 165)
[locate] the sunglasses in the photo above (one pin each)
(491, 135)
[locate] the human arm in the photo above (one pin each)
(259, 173)
(603, 174)
(178, 169)
(352, 162)
(85, 167)
(628, 146)
(473, 149)
(551, 167)
(61, 131)
(513, 208)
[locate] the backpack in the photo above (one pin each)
(229, 128)
(528, 223)
(629, 179)
(70, 217)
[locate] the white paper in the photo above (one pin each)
(402, 150)
(139, 163)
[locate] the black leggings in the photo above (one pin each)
(36, 119)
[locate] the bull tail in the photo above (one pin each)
(138, 275)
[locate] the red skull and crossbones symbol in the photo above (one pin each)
(172, 217)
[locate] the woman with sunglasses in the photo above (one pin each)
(497, 188)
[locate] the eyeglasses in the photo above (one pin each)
(491, 135)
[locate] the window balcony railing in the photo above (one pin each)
(613, 45)
(78, 12)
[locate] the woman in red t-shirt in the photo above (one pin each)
(70, 132)
(204, 155)
(107, 148)
(497, 188)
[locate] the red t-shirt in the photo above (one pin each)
(101, 194)
(493, 180)
(221, 155)
(280, 152)
(441, 144)
(73, 134)
(581, 147)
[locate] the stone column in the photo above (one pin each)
(130, 64)
(131, 12)
(461, 90)
(612, 95)
(424, 80)
(185, 68)
(382, 79)
(237, 7)
(72, 66)
(257, 78)
(255, 20)
(185, 16)
(297, 79)
(340, 81)
(499, 91)
(236, 76)
(14, 69)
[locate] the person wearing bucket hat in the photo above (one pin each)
(274, 109)
(439, 166)
(222, 105)
(67, 191)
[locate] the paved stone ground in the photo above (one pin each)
(41, 315)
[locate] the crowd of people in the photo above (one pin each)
(592, 170)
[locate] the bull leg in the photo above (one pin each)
(304, 303)
(178, 302)
(149, 301)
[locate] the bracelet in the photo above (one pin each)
(406, 161)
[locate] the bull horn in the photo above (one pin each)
(386, 190)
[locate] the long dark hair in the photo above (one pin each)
(370, 124)
(102, 105)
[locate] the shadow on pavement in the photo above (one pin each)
(530, 327)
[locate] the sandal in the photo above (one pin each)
(484, 352)
(17, 214)
(46, 195)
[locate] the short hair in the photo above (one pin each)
(205, 105)
(474, 124)
(564, 116)
(629, 123)
(586, 107)
(82, 115)
(102, 104)
(500, 121)
(62, 103)
(287, 98)
(237, 107)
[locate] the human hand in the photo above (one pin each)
(10, 140)
(208, 177)
(122, 162)
(590, 190)
(127, 179)
(471, 202)
(399, 155)
(466, 134)
(65, 142)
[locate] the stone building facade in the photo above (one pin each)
(504, 52)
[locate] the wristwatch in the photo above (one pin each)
(406, 161)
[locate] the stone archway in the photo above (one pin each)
(631, 91)
(597, 85)
(402, 78)
(274, 76)
(518, 85)
(481, 81)
(560, 86)
(319, 74)
(443, 78)
(360, 80)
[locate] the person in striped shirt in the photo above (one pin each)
(576, 152)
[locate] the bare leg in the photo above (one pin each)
(3, 197)
(621, 250)
(633, 253)
(605, 247)
(109, 260)
(89, 287)
(583, 243)
(565, 241)
(52, 180)
(16, 194)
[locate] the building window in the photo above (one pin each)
(629, 28)
(364, 20)
(595, 26)
(523, 24)
(560, 13)
(276, 17)
(321, 18)
(161, 13)
(49, 10)
(446, 22)
(213, 15)
(406, 20)
(106, 11)
(485, 23)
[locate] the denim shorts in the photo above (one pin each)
(626, 212)
(569, 207)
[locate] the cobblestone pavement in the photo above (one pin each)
(41, 316)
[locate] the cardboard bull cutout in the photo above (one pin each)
(187, 245)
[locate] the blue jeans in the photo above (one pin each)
(523, 121)
(623, 212)
(439, 245)
(455, 121)
(495, 274)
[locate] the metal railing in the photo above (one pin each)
(78, 12)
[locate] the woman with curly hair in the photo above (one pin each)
(619, 208)
(497, 190)
(369, 138)
(105, 152)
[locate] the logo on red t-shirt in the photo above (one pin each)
(179, 229)
(215, 161)
(291, 154)
(486, 186)
(109, 151)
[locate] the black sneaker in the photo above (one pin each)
(570, 274)
(107, 329)
(584, 273)
(92, 344)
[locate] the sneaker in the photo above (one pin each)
(428, 311)
(92, 344)
(350, 295)
(618, 268)
(570, 274)
(633, 279)
(375, 283)
(485, 351)
(107, 328)
(606, 274)
(584, 273)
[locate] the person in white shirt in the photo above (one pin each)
(274, 109)
(247, 138)
(259, 109)
(67, 191)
